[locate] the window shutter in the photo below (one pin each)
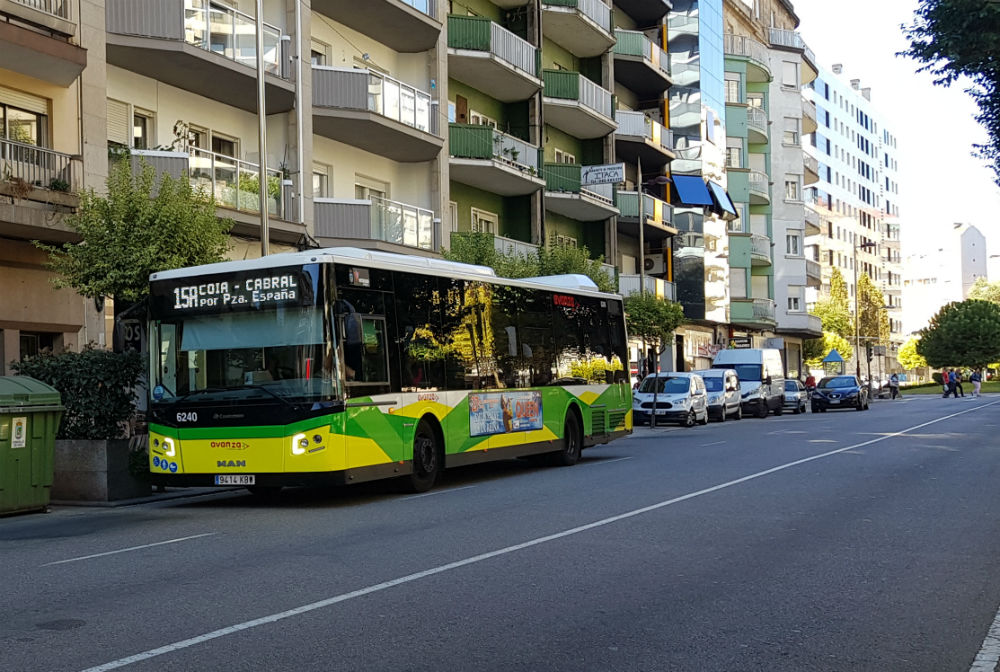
(24, 101)
(119, 124)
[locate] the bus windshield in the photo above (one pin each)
(282, 352)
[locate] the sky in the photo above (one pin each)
(940, 181)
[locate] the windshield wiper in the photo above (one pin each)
(274, 394)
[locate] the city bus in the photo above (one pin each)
(342, 365)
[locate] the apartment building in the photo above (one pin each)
(51, 146)
(856, 197)
(701, 205)
(767, 64)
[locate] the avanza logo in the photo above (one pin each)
(231, 463)
(231, 445)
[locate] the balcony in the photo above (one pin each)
(628, 284)
(809, 123)
(583, 27)
(47, 180)
(346, 221)
(513, 247)
(644, 12)
(565, 196)
(211, 52)
(233, 184)
(657, 216)
(640, 65)
(496, 162)
(760, 250)
(814, 273)
(812, 221)
(376, 113)
(481, 51)
(810, 169)
(639, 137)
(574, 104)
(790, 40)
(402, 25)
(800, 324)
(753, 313)
(755, 54)
(47, 55)
(760, 191)
(757, 130)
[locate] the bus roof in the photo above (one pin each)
(575, 283)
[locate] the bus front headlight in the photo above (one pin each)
(299, 444)
(168, 447)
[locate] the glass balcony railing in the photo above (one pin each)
(351, 88)
(760, 246)
(233, 183)
(400, 223)
(230, 33)
(628, 284)
(759, 183)
(653, 209)
(514, 247)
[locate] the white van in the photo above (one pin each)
(762, 378)
(680, 397)
(723, 387)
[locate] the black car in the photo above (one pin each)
(839, 392)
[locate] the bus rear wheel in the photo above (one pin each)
(426, 459)
(572, 442)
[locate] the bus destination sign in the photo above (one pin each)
(244, 290)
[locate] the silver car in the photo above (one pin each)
(796, 396)
(680, 397)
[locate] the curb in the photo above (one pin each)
(178, 493)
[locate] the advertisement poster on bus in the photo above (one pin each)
(502, 412)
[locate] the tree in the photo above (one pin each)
(139, 228)
(873, 320)
(909, 358)
(835, 310)
(961, 38)
(815, 350)
(962, 334)
(652, 319)
(984, 290)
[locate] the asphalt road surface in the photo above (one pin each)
(835, 541)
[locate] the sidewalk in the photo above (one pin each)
(167, 494)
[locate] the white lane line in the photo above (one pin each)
(126, 550)
(989, 655)
(714, 443)
(409, 578)
(617, 459)
(437, 492)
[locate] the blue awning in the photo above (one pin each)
(722, 199)
(691, 190)
(834, 356)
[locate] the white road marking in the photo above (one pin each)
(617, 459)
(714, 443)
(437, 492)
(989, 655)
(409, 578)
(126, 550)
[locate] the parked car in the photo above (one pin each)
(680, 397)
(723, 386)
(762, 378)
(839, 392)
(796, 396)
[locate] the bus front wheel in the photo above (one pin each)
(426, 458)
(572, 441)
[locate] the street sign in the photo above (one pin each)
(612, 173)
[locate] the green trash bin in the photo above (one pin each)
(30, 412)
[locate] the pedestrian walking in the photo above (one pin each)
(958, 382)
(951, 382)
(944, 382)
(894, 386)
(977, 382)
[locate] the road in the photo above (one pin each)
(836, 541)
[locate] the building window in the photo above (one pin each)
(225, 146)
(321, 180)
(734, 152)
(566, 241)
(564, 157)
(792, 191)
(142, 129)
(791, 136)
(732, 88)
(792, 245)
(22, 125)
(755, 100)
(794, 304)
(319, 53)
(485, 222)
(480, 119)
(789, 74)
(366, 188)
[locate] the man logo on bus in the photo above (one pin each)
(231, 463)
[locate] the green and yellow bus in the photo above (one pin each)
(345, 365)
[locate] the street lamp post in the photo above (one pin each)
(857, 313)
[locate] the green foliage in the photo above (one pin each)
(961, 38)
(937, 378)
(962, 334)
(873, 320)
(478, 248)
(653, 319)
(57, 184)
(908, 357)
(816, 349)
(96, 386)
(985, 290)
(129, 234)
(834, 310)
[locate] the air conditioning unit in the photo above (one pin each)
(655, 264)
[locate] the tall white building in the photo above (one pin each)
(856, 197)
(942, 275)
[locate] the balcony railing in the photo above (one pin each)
(789, 38)
(638, 124)
(812, 217)
(514, 247)
(359, 89)
(595, 10)
(58, 8)
(230, 33)
(757, 119)
(565, 177)
(39, 167)
(635, 43)
(760, 246)
(574, 86)
(653, 208)
(480, 34)
(759, 182)
(403, 224)
(471, 141)
(740, 45)
(813, 269)
(234, 183)
(628, 284)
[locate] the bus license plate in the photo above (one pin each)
(234, 479)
